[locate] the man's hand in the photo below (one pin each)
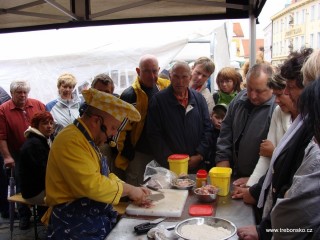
(266, 148)
(248, 233)
(244, 193)
(194, 161)
(8, 162)
(137, 194)
(241, 182)
(224, 163)
(238, 192)
(7, 158)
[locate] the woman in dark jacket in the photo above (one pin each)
(34, 157)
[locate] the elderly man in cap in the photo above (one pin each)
(79, 187)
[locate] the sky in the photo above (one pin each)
(270, 8)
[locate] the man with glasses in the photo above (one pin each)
(103, 82)
(15, 118)
(79, 186)
(246, 124)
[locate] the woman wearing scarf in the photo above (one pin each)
(295, 211)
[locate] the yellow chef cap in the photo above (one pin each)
(106, 102)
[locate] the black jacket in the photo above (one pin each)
(172, 129)
(284, 167)
(33, 163)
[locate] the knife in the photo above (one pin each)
(153, 188)
(145, 181)
(156, 196)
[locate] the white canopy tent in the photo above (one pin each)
(115, 50)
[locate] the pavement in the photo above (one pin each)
(20, 234)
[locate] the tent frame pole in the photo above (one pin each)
(252, 34)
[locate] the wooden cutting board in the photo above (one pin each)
(171, 206)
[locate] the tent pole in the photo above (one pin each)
(252, 34)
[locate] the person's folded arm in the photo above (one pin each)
(155, 133)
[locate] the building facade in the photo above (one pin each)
(296, 26)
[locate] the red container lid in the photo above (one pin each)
(178, 156)
(202, 173)
(201, 210)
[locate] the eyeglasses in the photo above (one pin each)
(226, 81)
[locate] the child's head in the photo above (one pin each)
(229, 80)
(218, 113)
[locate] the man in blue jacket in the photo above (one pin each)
(178, 120)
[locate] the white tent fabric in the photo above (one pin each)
(86, 52)
(120, 64)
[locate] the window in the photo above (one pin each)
(291, 19)
(302, 41)
(312, 12)
(311, 40)
(319, 11)
(274, 52)
(303, 15)
(285, 23)
(296, 43)
(297, 18)
(318, 40)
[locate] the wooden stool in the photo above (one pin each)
(19, 199)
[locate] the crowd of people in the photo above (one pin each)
(82, 157)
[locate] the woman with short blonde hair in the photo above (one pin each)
(64, 109)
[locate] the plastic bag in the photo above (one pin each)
(159, 177)
(161, 233)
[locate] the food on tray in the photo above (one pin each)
(207, 190)
(147, 204)
(204, 232)
(183, 183)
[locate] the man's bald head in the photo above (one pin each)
(148, 70)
